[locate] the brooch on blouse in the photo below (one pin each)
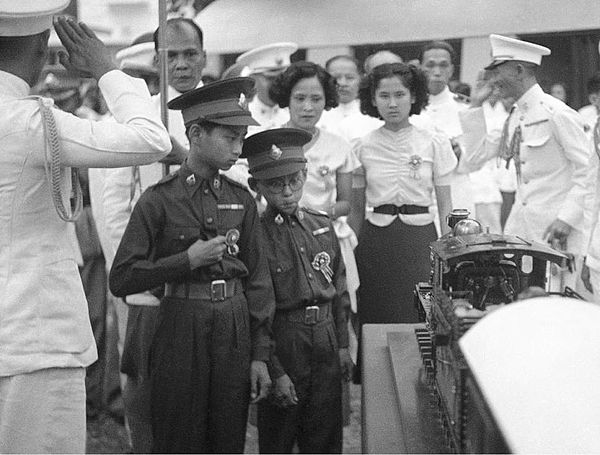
(323, 170)
(415, 162)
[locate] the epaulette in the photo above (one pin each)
(315, 212)
(234, 182)
(459, 97)
(548, 107)
(166, 178)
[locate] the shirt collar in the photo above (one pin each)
(349, 108)
(264, 108)
(528, 98)
(443, 97)
(276, 217)
(13, 86)
(193, 182)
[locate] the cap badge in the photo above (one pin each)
(217, 183)
(191, 180)
(243, 102)
(279, 219)
(275, 152)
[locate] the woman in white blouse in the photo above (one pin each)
(307, 89)
(401, 167)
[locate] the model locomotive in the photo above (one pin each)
(473, 274)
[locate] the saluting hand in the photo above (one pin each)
(483, 89)
(86, 55)
(206, 252)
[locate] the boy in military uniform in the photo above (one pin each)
(195, 234)
(310, 354)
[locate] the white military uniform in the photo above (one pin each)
(441, 115)
(347, 121)
(555, 155)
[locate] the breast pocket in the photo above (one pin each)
(536, 139)
(230, 219)
(179, 238)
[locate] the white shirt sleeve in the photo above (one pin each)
(137, 137)
(478, 145)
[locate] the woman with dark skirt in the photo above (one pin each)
(402, 166)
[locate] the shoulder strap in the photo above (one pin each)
(53, 169)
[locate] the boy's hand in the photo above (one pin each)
(346, 364)
(284, 392)
(260, 381)
(86, 55)
(206, 252)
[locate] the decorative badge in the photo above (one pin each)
(191, 180)
(321, 264)
(243, 102)
(415, 162)
(279, 219)
(231, 238)
(217, 183)
(324, 170)
(275, 152)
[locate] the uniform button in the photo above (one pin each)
(205, 190)
(524, 203)
(209, 220)
(302, 249)
(522, 162)
(310, 275)
(525, 182)
(278, 270)
(293, 223)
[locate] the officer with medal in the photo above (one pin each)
(195, 234)
(310, 330)
(546, 141)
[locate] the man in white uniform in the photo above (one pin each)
(45, 335)
(591, 111)
(441, 113)
(547, 143)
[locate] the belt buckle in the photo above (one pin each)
(311, 315)
(217, 290)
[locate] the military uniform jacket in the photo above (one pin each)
(555, 155)
(292, 244)
(169, 217)
(44, 320)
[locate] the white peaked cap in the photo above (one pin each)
(506, 49)
(28, 17)
(137, 57)
(271, 57)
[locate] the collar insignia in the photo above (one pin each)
(191, 180)
(275, 152)
(279, 219)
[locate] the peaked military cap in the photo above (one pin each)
(28, 17)
(224, 102)
(505, 49)
(276, 152)
(269, 59)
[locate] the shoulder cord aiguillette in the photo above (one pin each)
(54, 171)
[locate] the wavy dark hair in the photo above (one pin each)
(413, 78)
(281, 89)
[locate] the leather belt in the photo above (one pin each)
(406, 209)
(215, 291)
(309, 315)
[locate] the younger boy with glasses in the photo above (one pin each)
(310, 332)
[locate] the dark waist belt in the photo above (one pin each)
(309, 315)
(406, 209)
(215, 291)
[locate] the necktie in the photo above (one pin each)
(511, 150)
(136, 183)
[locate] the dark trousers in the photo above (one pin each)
(141, 326)
(200, 375)
(309, 355)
